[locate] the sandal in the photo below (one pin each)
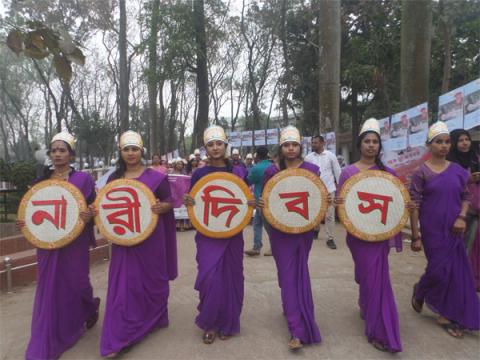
(451, 328)
(209, 337)
(223, 336)
(380, 346)
(295, 344)
(416, 304)
(94, 318)
(112, 355)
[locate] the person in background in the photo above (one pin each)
(440, 189)
(197, 155)
(236, 159)
(179, 166)
(329, 174)
(192, 164)
(341, 161)
(157, 164)
(249, 161)
(255, 178)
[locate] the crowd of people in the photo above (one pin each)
(444, 188)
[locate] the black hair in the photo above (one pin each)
(47, 171)
(319, 137)
(468, 160)
(157, 154)
(281, 159)
(262, 152)
(378, 161)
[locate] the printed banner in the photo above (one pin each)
(450, 109)
(247, 138)
(235, 139)
(398, 131)
(406, 161)
(418, 125)
(471, 105)
(260, 137)
(331, 142)
(385, 133)
(272, 136)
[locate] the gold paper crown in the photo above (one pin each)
(214, 133)
(131, 138)
(66, 137)
(436, 129)
(370, 125)
(289, 133)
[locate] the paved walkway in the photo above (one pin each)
(264, 333)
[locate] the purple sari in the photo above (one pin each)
(376, 299)
(138, 287)
(447, 286)
(64, 296)
(291, 252)
(220, 274)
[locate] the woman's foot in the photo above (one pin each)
(94, 318)
(295, 344)
(112, 355)
(450, 327)
(223, 336)
(417, 305)
(209, 337)
(379, 346)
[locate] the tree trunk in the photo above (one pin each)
(161, 119)
(446, 29)
(123, 69)
(415, 52)
(173, 116)
(152, 77)
(201, 121)
(329, 65)
(355, 123)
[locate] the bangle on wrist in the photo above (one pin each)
(463, 217)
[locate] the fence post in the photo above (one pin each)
(8, 267)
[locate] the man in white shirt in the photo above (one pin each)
(330, 175)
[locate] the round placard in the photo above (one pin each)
(221, 208)
(124, 210)
(296, 200)
(374, 205)
(51, 211)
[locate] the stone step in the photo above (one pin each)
(13, 244)
(23, 264)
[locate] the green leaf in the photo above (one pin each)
(62, 67)
(15, 41)
(77, 57)
(35, 53)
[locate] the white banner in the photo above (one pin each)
(385, 133)
(272, 136)
(259, 137)
(418, 125)
(471, 104)
(450, 109)
(247, 138)
(398, 131)
(331, 142)
(235, 139)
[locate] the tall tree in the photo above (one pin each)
(152, 76)
(123, 68)
(415, 51)
(329, 64)
(201, 122)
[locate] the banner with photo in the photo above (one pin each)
(179, 186)
(450, 109)
(235, 139)
(385, 133)
(398, 131)
(406, 161)
(418, 125)
(471, 105)
(247, 138)
(306, 145)
(260, 137)
(331, 142)
(272, 136)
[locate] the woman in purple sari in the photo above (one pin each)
(440, 189)
(463, 154)
(376, 299)
(138, 280)
(64, 305)
(220, 261)
(291, 252)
